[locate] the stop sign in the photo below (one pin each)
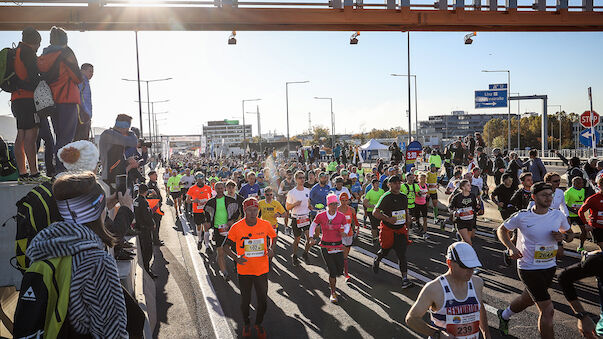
(585, 119)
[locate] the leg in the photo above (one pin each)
(245, 284)
(20, 151)
(295, 244)
(31, 151)
(45, 134)
(64, 122)
(400, 246)
(465, 235)
(545, 319)
(332, 285)
(221, 261)
(260, 283)
(307, 246)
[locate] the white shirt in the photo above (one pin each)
(343, 190)
(187, 181)
(558, 202)
(477, 182)
(534, 239)
(296, 195)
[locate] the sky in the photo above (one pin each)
(211, 78)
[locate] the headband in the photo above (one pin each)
(84, 208)
(250, 202)
(122, 124)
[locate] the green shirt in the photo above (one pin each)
(574, 199)
(409, 191)
(360, 173)
(436, 160)
(373, 197)
(221, 216)
(332, 166)
(174, 184)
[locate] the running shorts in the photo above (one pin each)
(434, 196)
(347, 240)
(24, 111)
(334, 262)
(420, 211)
(576, 221)
(465, 224)
(219, 240)
(537, 282)
(199, 218)
(297, 231)
(175, 195)
(597, 234)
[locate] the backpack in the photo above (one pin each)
(7, 160)
(35, 211)
(8, 77)
(44, 299)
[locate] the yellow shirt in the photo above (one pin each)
(432, 182)
(268, 211)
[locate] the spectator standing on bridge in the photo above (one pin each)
(112, 145)
(250, 245)
(535, 166)
(59, 66)
(22, 104)
(82, 132)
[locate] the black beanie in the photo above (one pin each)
(58, 36)
(31, 36)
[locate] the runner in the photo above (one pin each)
(432, 185)
(250, 243)
(318, 195)
(522, 197)
(502, 194)
(348, 238)
(594, 206)
(331, 226)
(298, 202)
(371, 198)
(286, 184)
(270, 209)
(173, 185)
(421, 205)
(231, 191)
(410, 189)
(186, 182)
(251, 189)
(221, 212)
(339, 187)
(574, 198)
(464, 207)
(356, 191)
(540, 230)
(461, 317)
(392, 210)
(198, 195)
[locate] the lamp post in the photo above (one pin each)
(332, 119)
(148, 98)
(153, 130)
(416, 107)
(243, 111)
(508, 103)
(559, 125)
(257, 112)
(518, 120)
(287, 104)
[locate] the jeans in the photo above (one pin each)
(64, 123)
(45, 134)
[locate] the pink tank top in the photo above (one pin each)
(331, 229)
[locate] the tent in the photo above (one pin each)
(373, 150)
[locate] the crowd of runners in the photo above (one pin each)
(236, 204)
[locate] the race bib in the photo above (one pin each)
(400, 217)
(223, 230)
(254, 248)
(463, 328)
(334, 250)
(303, 221)
(544, 254)
(576, 206)
(600, 217)
(466, 213)
(201, 204)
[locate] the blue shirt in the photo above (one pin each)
(382, 178)
(318, 194)
(250, 190)
(356, 188)
(85, 96)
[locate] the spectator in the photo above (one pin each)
(59, 66)
(22, 104)
(82, 131)
(499, 166)
(513, 168)
(535, 166)
(145, 225)
(112, 145)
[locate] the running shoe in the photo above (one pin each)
(260, 331)
(348, 279)
(503, 325)
(425, 236)
(442, 225)
(246, 331)
(333, 298)
(376, 265)
(507, 259)
(294, 260)
(38, 178)
(23, 179)
(199, 245)
(306, 258)
(580, 249)
(406, 283)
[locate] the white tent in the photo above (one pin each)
(374, 149)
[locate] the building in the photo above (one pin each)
(228, 131)
(440, 129)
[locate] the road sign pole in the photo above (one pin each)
(592, 125)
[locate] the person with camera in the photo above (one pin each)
(112, 145)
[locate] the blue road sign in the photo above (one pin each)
(491, 98)
(586, 137)
(497, 86)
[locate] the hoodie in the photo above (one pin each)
(96, 301)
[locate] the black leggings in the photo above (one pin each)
(260, 283)
(400, 246)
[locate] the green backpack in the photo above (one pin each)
(44, 299)
(8, 78)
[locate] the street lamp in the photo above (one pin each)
(243, 110)
(257, 112)
(518, 120)
(148, 98)
(559, 125)
(508, 103)
(287, 104)
(332, 119)
(153, 131)
(416, 107)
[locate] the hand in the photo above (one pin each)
(391, 220)
(446, 335)
(241, 260)
(514, 253)
(557, 235)
(297, 203)
(126, 199)
(587, 328)
(501, 204)
(569, 237)
(112, 201)
(312, 241)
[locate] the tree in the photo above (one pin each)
(320, 133)
(499, 142)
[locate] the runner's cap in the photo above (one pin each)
(394, 178)
(353, 176)
(463, 254)
(332, 199)
(540, 186)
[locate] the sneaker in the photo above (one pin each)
(199, 245)
(38, 178)
(333, 298)
(294, 260)
(580, 249)
(503, 325)
(306, 258)
(442, 225)
(246, 331)
(376, 265)
(425, 236)
(406, 283)
(507, 259)
(260, 331)
(23, 179)
(348, 279)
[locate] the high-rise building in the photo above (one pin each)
(228, 130)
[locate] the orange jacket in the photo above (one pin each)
(60, 68)
(21, 70)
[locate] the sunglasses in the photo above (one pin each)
(556, 180)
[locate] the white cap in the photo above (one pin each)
(353, 175)
(463, 254)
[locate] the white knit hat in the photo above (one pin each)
(79, 155)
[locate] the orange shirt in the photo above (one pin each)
(350, 216)
(201, 193)
(252, 243)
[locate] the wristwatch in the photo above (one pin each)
(580, 315)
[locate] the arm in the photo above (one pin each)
(414, 317)
(564, 159)
(379, 215)
(31, 65)
(229, 252)
(107, 319)
(483, 314)
(582, 211)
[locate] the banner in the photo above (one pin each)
(413, 152)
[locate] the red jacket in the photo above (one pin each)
(60, 67)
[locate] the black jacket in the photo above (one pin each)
(143, 214)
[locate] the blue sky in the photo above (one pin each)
(211, 78)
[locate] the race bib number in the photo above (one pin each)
(201, 204)
(466, 213)
(463, 330)
(334, 250)
(254, 248)
(400, 217)
(576, 206)
(544, 254)
(223, 230)
(303, 221)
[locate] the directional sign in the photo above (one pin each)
(585, 119)
(586, 137)
(491, 98)
(497, 86)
